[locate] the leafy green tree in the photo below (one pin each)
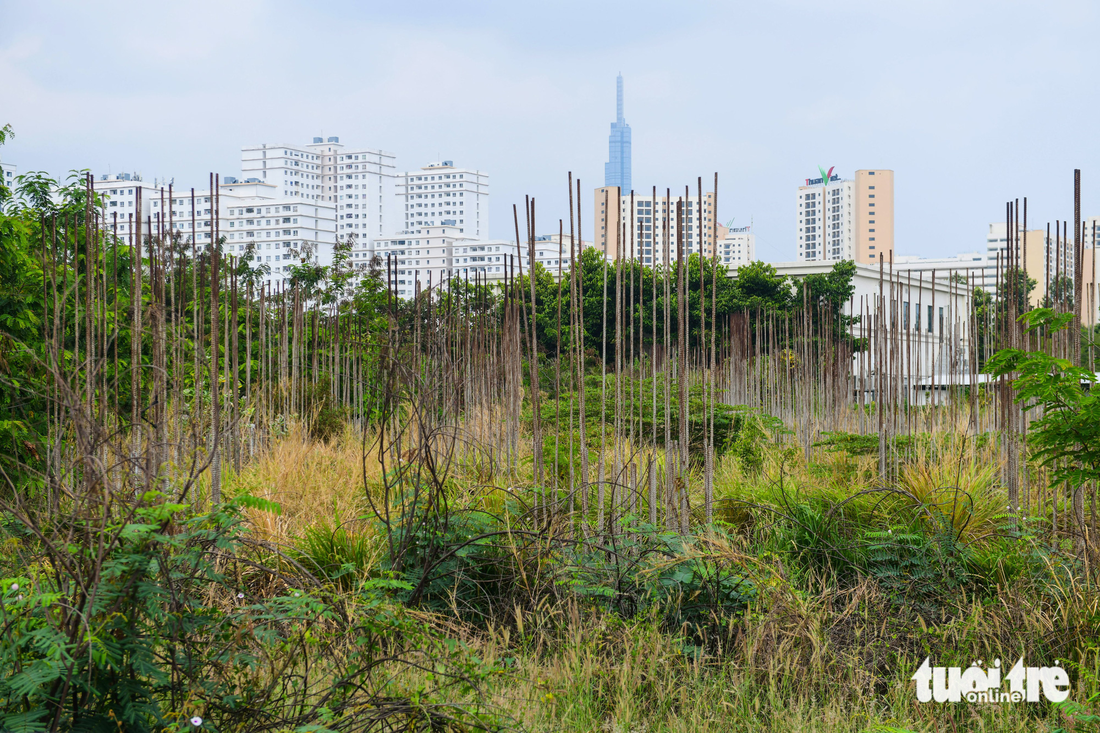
(39, 207)
(760, 286)
(1066, 437)
(5, 192)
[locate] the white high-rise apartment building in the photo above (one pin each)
(1040, 256)
(283, 230)
(826, 220)
(7, 178)
(439, 194)
(120, 210)
(294, 170)
(358, 182)
(846, 219)
(1092, 231)
(1045, 259)
(438, 253)
(736, 246)
(552, 251)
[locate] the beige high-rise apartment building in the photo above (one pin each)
(874, 215)
(652, 217)
(607, 214)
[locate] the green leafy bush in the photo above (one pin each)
(918, 568)
(689, 589)
(329, 417)
(161, 615)
(449, 562)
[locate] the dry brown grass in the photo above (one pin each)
(313, 482)
(962, 481)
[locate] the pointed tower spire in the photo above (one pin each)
(619, 99)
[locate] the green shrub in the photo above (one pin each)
(819, 539)
(918, 568)
(450, 561)
(749, 441)
(145, 619)
(333, 552)
(690, 591)
(329, 417)
(855, 444)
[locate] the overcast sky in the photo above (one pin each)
(970, 102)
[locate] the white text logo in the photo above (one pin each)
(975, 684)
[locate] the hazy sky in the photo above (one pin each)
(970, 103)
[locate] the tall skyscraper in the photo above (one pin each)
(616, 171)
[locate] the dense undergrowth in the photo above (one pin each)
(807, 606)
(330, 593)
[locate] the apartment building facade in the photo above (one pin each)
(357, 182)
(846, 219)
(254, 219)
(441, 194)
(648, 226)
(736, 246)
(8, 172)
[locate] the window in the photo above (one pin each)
(929, 319)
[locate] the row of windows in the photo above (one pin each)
(358, 156)
(265, 222)
(298, 154)
(443, 177)
(460, 194)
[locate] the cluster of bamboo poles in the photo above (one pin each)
(199, 397)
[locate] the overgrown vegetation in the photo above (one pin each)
(421, 516)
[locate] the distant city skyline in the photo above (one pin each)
(523, 93)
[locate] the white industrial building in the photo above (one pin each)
(930, 319)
